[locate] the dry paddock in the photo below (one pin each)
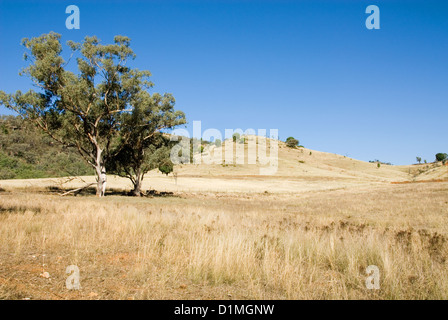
(314, 244)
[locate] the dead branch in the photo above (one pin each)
(76, 191)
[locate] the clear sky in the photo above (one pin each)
(310, 69)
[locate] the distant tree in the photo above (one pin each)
(425, 161)
(419, 160)
(291, 142)
(218, 142)
(441, 157)
(79, 110)
(236, 137)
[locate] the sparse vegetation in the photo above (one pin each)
(380, 162)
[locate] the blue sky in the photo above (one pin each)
(308, 68)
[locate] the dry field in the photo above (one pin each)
(225, 232)
(309, 245)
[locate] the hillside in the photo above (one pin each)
(25, 153)
(303, 163)
(299, 170)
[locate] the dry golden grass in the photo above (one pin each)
(311, 245)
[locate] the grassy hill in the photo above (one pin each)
(25, 153)
(303, 163)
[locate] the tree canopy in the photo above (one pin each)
(441, 157)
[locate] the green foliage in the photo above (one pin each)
(26, 153)
(166, 167)
(79, 109)
(134, 161)
(236, 137)
(218, 142)
(441, 156)
(419, 159)
(291, 142)
(105, 110)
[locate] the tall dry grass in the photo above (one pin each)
(218, 246)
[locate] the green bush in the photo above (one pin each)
(441, 156)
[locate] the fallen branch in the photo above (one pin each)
(76, 191)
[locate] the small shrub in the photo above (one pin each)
(291, 142)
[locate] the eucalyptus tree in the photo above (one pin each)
(80, 109)
(143, 145)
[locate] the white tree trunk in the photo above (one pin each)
(101, 174)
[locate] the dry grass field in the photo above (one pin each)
(222, 232)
